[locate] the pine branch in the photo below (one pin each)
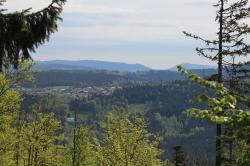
(208, 42)
(23, 32)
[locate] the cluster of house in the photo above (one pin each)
(72, 91)
(91, 91)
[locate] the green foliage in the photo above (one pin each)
(243, 153)
(170, 125)
(83, 149)
(227, 108)
(127, 142)
(38, 140)
(10, 102)
(33, 141)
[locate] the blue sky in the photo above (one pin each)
(148, 32)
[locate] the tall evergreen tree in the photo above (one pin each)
(22, 32)
(229, 47)
(179, 158)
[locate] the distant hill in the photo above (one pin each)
(190, 66)
(89, 65)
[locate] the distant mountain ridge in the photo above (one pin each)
(190, 66)
(89, 65)
(105, 65)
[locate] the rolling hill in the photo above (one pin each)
(89, 65)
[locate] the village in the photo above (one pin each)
(72, 92)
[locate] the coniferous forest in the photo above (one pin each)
(93, 117)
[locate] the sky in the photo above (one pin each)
(147, 32)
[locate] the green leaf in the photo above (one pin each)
(202, 98)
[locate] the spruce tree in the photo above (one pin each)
(228, 49)
(179, 157)
(22, 32)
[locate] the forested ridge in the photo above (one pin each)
(82, 78)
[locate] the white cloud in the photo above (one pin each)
(82, 8)
(19, 5)
(116, 33)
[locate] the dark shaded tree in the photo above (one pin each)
(179, 157)
(22, 32)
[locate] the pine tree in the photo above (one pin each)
(236, 44)
(228, 48)
(22, 32)
(179, 158)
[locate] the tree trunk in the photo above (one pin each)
(220, 57)
(74, 141)
(29, 157)
(1, 63)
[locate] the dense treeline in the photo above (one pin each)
(76, 78)
(82, 78)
